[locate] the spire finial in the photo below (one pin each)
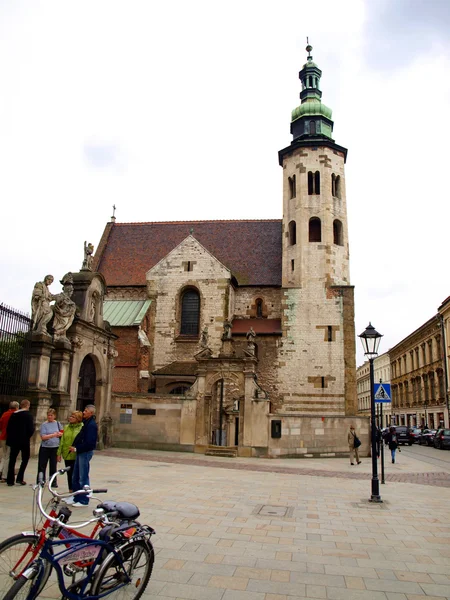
(308, 49)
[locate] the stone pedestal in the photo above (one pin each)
(59, 378)
(39, 361)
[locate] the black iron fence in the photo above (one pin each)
(14, 346)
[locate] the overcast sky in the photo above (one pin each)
(176, 111)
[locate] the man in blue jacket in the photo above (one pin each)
(84, 445)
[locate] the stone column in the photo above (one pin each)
(39, 362)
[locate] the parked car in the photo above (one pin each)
(442, 439)
(403, 435)
(427, 437)
(415, 434)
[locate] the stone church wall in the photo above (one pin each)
(245, 302)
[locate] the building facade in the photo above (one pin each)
(249, 324)
(419, 388)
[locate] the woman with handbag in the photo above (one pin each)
(70, 433)
(353, 445)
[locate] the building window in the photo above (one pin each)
(292, 233)
(337, 233)
(180, 390)
(259, 308)
(330, 333)
(315, 230)
(312, 127)
(292, 265)
(292, 187)
(313, 183)
(336, 185)
(190, 312)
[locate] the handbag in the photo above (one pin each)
(357, 442)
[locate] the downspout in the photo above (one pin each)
(444, 353)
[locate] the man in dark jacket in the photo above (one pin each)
(18, 434)
(84, 445)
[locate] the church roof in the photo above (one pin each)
(250, 249)
(178, 368)
(124, 313)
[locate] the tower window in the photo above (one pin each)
(312, 127)
(315, 230)
(292, 265)
(313, 183)
(190, 312)
(292, 233)
(337, 233)
(330, 333)
(333, 184)
(292, 187)
(336, 185)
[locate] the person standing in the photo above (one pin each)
(18, 434)
(50, 435)
(70, 433)
(392, 442)
(4, 449)
(84, 445)
(354, 453)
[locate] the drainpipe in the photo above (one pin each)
(444, 353)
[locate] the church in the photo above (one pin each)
(238, 337)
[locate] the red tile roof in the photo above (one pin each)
(260, 326)
(250, 249)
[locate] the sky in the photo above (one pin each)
(176, 111)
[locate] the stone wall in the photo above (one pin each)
(245, 302)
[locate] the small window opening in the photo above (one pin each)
(317, 182)
(337, 233)
(315, 230)
(292, 265)
(259, 308)
(292, 187)
(333, 184)
(338, 187)
(310, 183)
(292, 233)
(323, 382)
(330, 333)
(312, 127)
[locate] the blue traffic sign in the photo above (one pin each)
(382, 392)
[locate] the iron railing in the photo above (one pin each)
(14, 348)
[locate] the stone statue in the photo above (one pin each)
(227, 330)
(88, 258)
(142, 336)
(251, 335)
(41, 311)
(204, 338)
(64, 309)
(92, 306)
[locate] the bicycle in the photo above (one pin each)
(117, 553)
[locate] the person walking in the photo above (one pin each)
(4, 449)
(50, 435)
(18, 434)
(392, 442)
(71, 430)
(353, 449)
(84, 445)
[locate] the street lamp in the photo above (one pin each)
(370, 339)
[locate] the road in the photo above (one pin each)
(427, 454)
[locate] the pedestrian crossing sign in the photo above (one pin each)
(382, 392)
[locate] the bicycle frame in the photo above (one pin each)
(76, 550)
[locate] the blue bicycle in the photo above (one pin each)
(116, 563)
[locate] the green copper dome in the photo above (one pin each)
(311, 108)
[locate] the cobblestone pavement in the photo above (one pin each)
(274, 530)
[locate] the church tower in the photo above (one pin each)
(317, 351)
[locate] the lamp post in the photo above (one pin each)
(370, 339)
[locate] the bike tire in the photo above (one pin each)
(17, 552)
(138, 559)
(16, 587)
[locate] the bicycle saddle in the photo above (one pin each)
(126, 510)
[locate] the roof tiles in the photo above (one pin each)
(250, 249)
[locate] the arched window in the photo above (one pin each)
(337, 233)
(259, 308)
(292, 187)
(338, 186)
(310, 183)
(333, 184)
(181, 389)
(312, 127)
(315, 230)
(317, 182)
(190, 312)
(292, 233)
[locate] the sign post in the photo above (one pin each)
(382, 396)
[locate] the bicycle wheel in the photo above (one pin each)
(138, 559)
(16, 553)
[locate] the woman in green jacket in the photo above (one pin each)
(70, 433)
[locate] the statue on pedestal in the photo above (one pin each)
(64, 308)
(41, 311)
(88, 258)
(251, 335)
(204, 338)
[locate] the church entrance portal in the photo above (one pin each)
(86, 385)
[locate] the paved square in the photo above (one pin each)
(256, 529)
